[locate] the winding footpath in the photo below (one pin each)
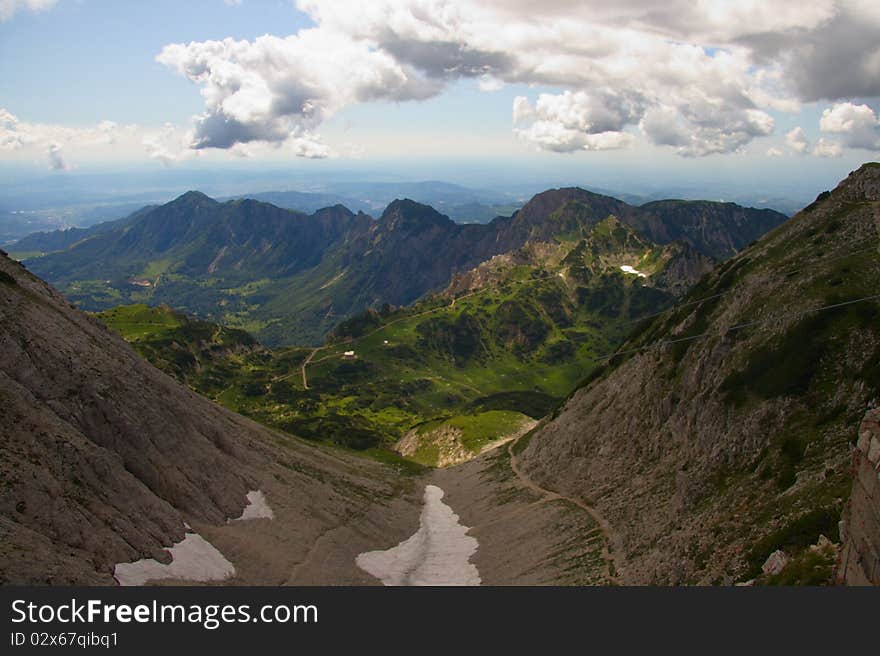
(306, 364)
(612, 560)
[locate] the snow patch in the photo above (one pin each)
(256, 508)
(626, 268)
(437, 554)
(193, 559)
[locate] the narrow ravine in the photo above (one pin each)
(437, 554)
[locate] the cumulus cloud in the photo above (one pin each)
(838, 58)
(56, 158)
(549, 135)
(774, 152)
(699, 130)
(280, 90)
(8, 8)
(569, 121)
(826, 148)
(664, 127)
(593, 112)
(52, 139)
(797, 140)
(696, 77)
(858, 125)
(489, 83)
(168, 145)
(10, 136)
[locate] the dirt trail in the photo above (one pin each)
(306, 364)
(308, 560)
(612, 564)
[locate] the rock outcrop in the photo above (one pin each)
(446, 440)
(860, 527)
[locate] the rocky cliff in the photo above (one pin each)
(860, 528)
(721, 432)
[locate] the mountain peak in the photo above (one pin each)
(863, 184)
(193, 197)
(559, 197)
(554, 200)
(409, 213)
(337, 209)
(564, 211)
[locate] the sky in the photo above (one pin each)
(743, 90)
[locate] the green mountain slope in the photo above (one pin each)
(513, 335)
(722, 430)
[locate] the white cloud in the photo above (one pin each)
(168, 145)
(489, 83)
(8, 8)
(280, 90)
(522, 109)
(552, 136)
(16, 134)
(696, 77)
(10, 136)
(797, 140)
(56, 158)
(825, 148)
(664, 127)
(858, 124)
(574, 121)
(774, 152)
(51, 141)
(695, 130)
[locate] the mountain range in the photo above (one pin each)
(290, 278)
(462, 204)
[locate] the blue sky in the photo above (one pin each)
(572, 89)
(89, 60)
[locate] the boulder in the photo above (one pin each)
(775, 563)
